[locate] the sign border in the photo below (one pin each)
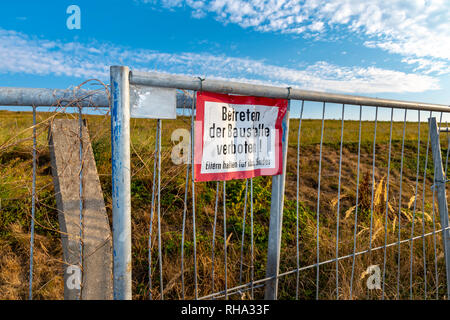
(204, 96)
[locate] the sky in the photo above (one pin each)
(397, 49)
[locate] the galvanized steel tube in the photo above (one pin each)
(192, 83)
(121, 197)
(10, 96)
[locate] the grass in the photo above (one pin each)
(15, 195)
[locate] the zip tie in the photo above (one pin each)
(201, 83)
(438, 181)
(289, 92)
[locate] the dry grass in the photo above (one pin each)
(47, 281)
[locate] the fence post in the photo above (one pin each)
(439, 184)
(121, 198)
(276, 219)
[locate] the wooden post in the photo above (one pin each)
(96, 271)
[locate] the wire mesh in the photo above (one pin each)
(352, 201)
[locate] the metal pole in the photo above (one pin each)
(439, 184)
(276, 219)
(121, 197)
(33, 207)
(12, 96)
(157, 79)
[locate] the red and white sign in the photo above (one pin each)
(237, 137)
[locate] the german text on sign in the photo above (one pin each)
(237, 137)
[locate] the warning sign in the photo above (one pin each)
(237, 137)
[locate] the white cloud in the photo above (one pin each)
(20, 53)
(428, 66)
(411, 28)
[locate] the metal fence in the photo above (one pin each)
(353, 216)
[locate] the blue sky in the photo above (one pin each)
(391, 49)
